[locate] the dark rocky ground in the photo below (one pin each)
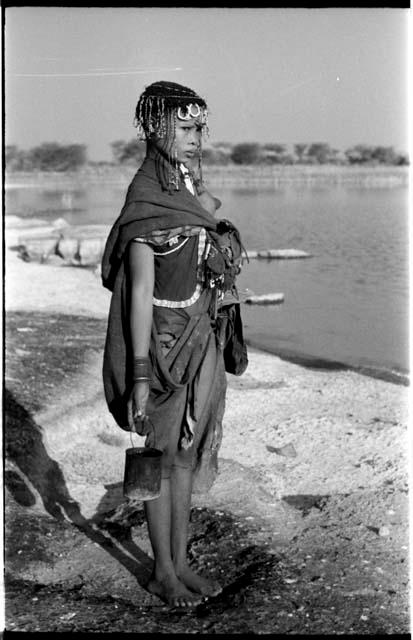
(339, 574)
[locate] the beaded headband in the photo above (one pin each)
(152, 115)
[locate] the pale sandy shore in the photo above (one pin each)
(324, 414)
(347, 435)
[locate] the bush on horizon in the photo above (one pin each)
(49, 156)
(52, 156)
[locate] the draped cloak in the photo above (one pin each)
(149, 208)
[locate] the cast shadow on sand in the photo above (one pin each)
(34, 469)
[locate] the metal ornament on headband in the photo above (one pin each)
(189, 112)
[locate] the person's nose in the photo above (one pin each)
(194, 138)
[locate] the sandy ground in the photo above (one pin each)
(306, 524)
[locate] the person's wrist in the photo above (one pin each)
(141, 370)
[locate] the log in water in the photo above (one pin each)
(278, 254)
(267, 298)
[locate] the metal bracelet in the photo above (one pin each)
(141, 369)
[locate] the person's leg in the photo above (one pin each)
(181, 488)
(164, 581)
(181, 478)
(168, 519)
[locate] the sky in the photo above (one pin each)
(73, 75)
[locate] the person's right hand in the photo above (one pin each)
(136, 406)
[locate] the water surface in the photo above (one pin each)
(348, 303)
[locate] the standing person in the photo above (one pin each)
(174, 324)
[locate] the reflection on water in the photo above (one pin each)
(348, 302)
(91, 204)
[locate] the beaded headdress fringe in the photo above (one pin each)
(156, 114)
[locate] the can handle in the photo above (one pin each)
(142, 419)
(130, 434)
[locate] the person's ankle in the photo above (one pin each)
(181, 566)
(161, 572)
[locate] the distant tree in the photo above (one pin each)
(359, 154)
(128, 152)
(11, 152)
(335, 156)
(223, 145)
(246, 153)
(299, 150)
(14, 158)
(402, 159)
(51, 156)
(320, 152)
(275, 147)
(365, 154)
(213, 155)
(287, 159)
(219, 152)
(384, 155)
(274, 153)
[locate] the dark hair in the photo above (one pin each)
(158, 100)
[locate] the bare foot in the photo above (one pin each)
(173, 592)
(197, 583)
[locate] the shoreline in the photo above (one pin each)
(226, 175)
(325, 364)
(82, 285)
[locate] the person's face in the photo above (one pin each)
(185, 147)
